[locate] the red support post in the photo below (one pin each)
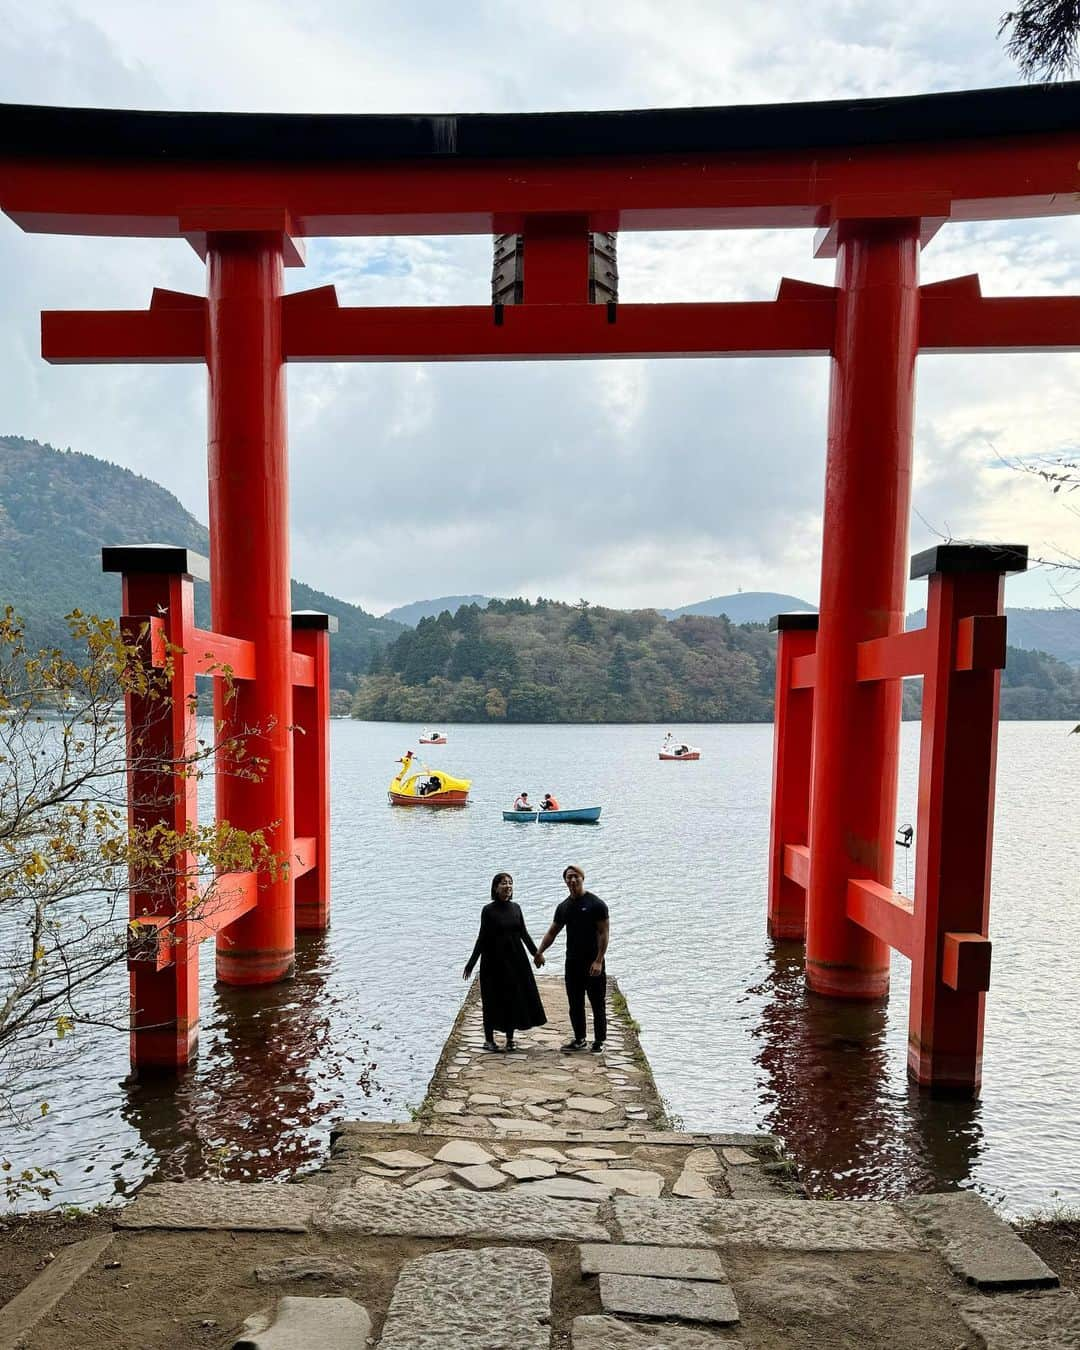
(311, 756)
(158, 588)
(950, 965)
(556, 260)
(793, 720)
(249, 540)
(867, 502)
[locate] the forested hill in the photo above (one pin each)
(549, 662)
(58, 507)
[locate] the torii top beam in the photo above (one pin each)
(979, 155)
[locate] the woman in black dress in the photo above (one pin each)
(508, 989)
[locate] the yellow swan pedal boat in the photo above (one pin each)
(417, 785)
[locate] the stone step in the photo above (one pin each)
(791, 1225)
(687, 1300)
(489, 1298)
(978, 1246)
(301, 1323)
(609, 1333)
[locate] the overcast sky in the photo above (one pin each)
(630, 483)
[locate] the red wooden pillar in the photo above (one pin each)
(863, 576)
(311, 754)
(157, 606)
(950, 968)
(793, 720)
(249, 534)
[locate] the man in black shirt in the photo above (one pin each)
(585, 918)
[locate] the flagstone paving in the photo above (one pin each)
(547, 1205)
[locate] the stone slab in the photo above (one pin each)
(481, 1177)
(669, 1263)
(610, 1333)
(565, 1188)
(789, 1225)
(513, 1216)
(528, 1169)
(430, 1184)
(688, 1300)
(463, 1153)
(627, 1181)
(405, 1159)
(692, 1185)
(309, 1267)
(254, 1206)
(737, 1157)
(490, 1298)
(1024, 1320)
(21, 1314)
(703, 1160)
(592, 1153)
(299, 1323)
(590, 1105)
(976, 1244)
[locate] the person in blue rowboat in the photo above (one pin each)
(588, 927)
(508, 992)
(522, 803)
(549, 803)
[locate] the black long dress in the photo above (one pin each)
(507, 986)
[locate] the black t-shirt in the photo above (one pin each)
(579, 918)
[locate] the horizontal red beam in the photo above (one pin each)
(146, 632)
(303, 670)
(547, 332)
(797, 864)
(799, 323)
(893, 657)
(109, 337)
(980, 642)
(305, 855)
(1046, 323)
(887, 914)
(965, 962)
(214, 651)
(983, 179)
(804, 671)
(150, 936)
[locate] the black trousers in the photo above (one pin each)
(579, 983)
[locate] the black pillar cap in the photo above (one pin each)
(804, 620)
(955, 558)
(159, 558)
(313, 618)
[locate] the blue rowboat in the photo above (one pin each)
(519, 815)
(584, 815)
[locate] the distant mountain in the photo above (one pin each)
(744, 607)
(58, 507)
(410, 615)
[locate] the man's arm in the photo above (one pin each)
(545, 942)
(603, 931)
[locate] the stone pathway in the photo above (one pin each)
(540, 1202)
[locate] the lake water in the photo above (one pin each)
(680, 858)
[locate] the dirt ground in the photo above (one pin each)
(1058, 1243)
(28, 1241)
(854, 1301)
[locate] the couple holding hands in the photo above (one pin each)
(508, 992)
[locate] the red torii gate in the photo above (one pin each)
(876, 178)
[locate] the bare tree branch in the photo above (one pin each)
(1043, 38)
